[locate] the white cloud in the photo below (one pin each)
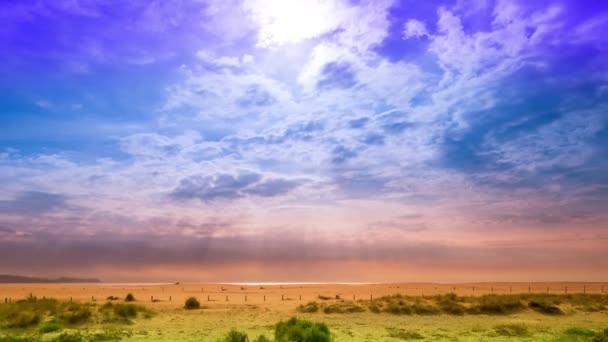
(414, 29)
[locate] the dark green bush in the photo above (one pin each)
(298, 330)
(192, 304)
(262, 338)
(130, 298)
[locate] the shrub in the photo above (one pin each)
(545, 308)
(375, 308)
(50, 327)
(496, 305)
(452, 308)
(236, 336)
(262, 338)
(309, 307)
(325, 297)
(125, 310)
(130, 298)
(399, 308)
(115, 298)
(121, 313)
(423, 309)
(23, 319)
(192, 304)
(298, 330)
(75, 314)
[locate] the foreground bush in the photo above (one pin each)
(299, 330)
(192, 304)
(236, 336)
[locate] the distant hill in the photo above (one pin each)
(6, 278)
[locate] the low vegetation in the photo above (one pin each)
(30, 319)
(340, 307)
(292, 330)
(192, 304)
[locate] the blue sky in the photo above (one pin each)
(442, 138)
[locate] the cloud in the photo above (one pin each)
(228, 186)
(414, 29)
(34, 203)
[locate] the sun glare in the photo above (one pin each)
(282, 22)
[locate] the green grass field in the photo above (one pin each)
(521, 317)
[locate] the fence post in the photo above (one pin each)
(282, 297)
(169, 298)
(528, 288)
(264, 297)
(152, 298)
(226, 298)
(208, 299)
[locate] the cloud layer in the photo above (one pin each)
(392, 133)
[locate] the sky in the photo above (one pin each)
(313, 141)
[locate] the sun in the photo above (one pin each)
(283, 22)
